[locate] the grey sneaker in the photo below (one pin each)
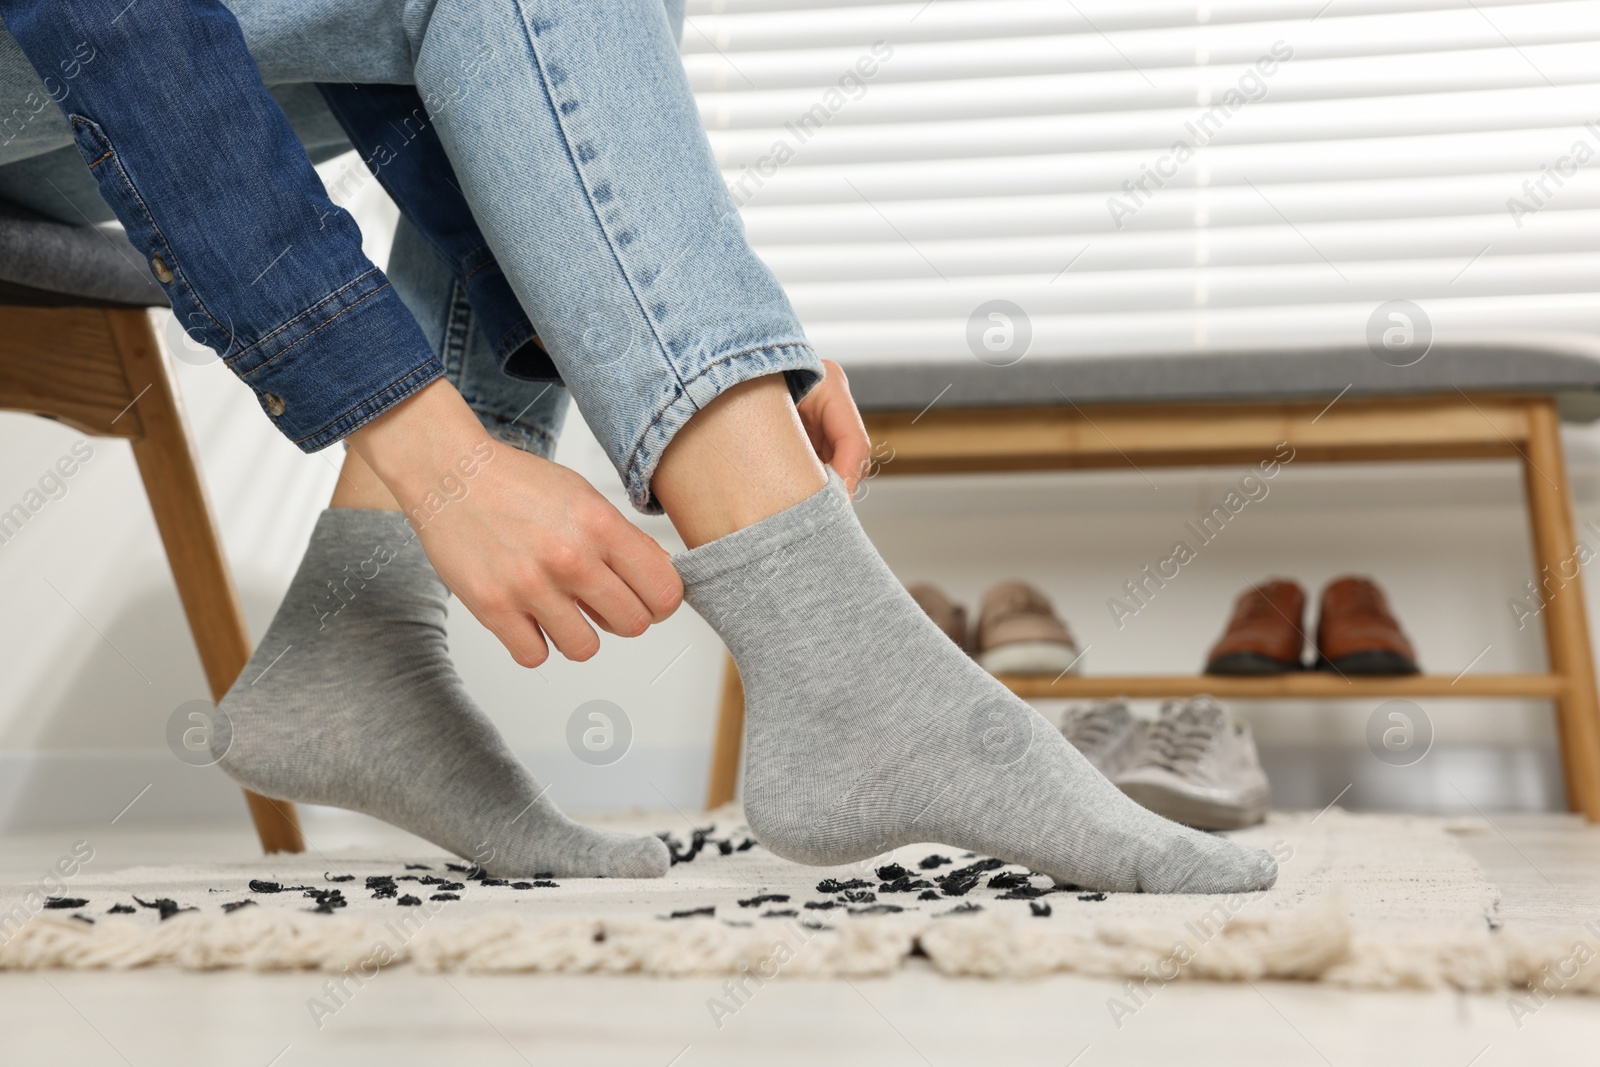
(1199, 766)
(1107, 734)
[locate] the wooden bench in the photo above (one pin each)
(1479, 401)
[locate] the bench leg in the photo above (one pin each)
(1566, 623)
(194, 548)
(726, 746)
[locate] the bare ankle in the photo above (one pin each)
(743, 458)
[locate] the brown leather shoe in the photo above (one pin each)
(1357, 634)
(945, 613)
(1265, 634)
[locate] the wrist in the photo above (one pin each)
(421, 441)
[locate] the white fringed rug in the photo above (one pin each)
(1369, 901)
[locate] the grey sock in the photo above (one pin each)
(351, 700)
(866, 729)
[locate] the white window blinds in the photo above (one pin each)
(1159, 176)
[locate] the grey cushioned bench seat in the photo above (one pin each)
(44, 262)
(1566, 366)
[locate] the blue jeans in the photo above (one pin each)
(577, 143)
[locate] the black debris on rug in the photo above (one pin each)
(857, 896)
(905, 884)
(1008, 880)
(165, 905)
(878, 909)
(81, 917)
(687, 852)
(1024, 892)
(441, 883)
(327, 900)
(962, 880)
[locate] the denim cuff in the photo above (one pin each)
(801, 370)
(338, 365)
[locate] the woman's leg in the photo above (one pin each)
(352, 699)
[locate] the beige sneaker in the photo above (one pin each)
(1020, 633)
(1198, 766)
(945, 613)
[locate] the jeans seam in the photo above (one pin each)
(174, 265)
(307, 313)
(633, 456)
(588, 194)
(315, 329)
(514, 339)
(398, 383)
(484, 265)
(457, 330)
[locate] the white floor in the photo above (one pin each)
(1548, 867)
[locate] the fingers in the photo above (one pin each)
(518, 632)
(646, 569)
(566, 627)
(614, 606)
(847, 448)
(851, 454)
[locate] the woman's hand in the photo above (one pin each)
(834, 425)
(531, 548)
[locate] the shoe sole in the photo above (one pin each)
(1371, 663)
(1029, 657)
(1193, 811)
(1250, 663)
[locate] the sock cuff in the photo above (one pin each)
(822, 509)
(362, 522)
(350, 535)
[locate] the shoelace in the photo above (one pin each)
(1090, 728)
(1183, 733)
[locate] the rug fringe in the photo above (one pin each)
(1316, 942)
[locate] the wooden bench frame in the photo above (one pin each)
(100, 370)
(1449, 427)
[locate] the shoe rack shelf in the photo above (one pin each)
(1365, 430)
(1309, 685)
